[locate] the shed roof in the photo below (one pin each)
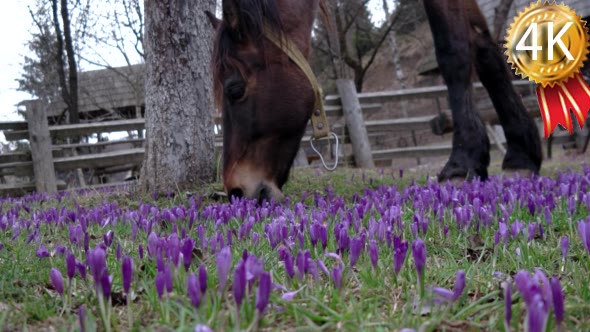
(107, 89)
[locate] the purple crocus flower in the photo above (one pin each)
(81, 268)
(419, 253)
(42, 252)
(57, 280)
(289, 267)
(323, 267)
(106, 283)
(255, 238)
(508, 307)
(108, 238)
(400, 249)
(168, 278)
(374, 253)
(565, 245)
(263, 294)
(97, 262)
(584, 231)
(239, 283)
(532, 230)
(118, 252)
(140, 249)
(153, 243)
(174, 249)
(82, 318)
(571, 205)
(536, 302)
(516, 228)
(76, 234)
(545, 286)
(537, 315)
(557, 301)
(203, 278)
(187, 252)
(127, 273)
(160, 283)
(300, 263)
(70, 265)
(452, 296)
(194, 293)
(503, 231)
(59, 249)
(356, 247)
(202, 328)
(289, 296)
(224, 262)
(337, 277)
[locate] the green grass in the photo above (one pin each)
(370, 300)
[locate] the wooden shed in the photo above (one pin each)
(106, 94)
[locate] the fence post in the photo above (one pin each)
(351, 108)
(41, 153)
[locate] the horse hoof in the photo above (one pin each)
(456, 181)
(523, 173)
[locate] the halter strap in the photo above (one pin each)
(318, 117)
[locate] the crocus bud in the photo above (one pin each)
(203, 278)
(374, 253)
(70, 265)
(127, 273)
(224, 261)
(194, 292)
(263, 294)
(239, 283)
(57, 280)
(565, 245)
(557, 300)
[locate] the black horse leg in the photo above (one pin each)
(470, 156)
(524, 148)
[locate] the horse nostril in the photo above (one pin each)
(263, 193)
(236, 192)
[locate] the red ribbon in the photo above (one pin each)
(557, 101)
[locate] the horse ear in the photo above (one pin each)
(231, 13)
(212, 19)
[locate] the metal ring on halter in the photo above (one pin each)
(321, 157)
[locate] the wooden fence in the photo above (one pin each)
(46, 158)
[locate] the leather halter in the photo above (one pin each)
(318, 118)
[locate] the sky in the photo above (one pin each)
(15, 27)
(15, 23)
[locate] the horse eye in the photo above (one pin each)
(235, 91)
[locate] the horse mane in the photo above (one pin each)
(254, 16)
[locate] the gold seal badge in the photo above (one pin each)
(548, 44)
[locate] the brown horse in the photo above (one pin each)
(267, 101)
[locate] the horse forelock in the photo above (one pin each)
(254, 16)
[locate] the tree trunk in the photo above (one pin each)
(178, 90)
(72, 67)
